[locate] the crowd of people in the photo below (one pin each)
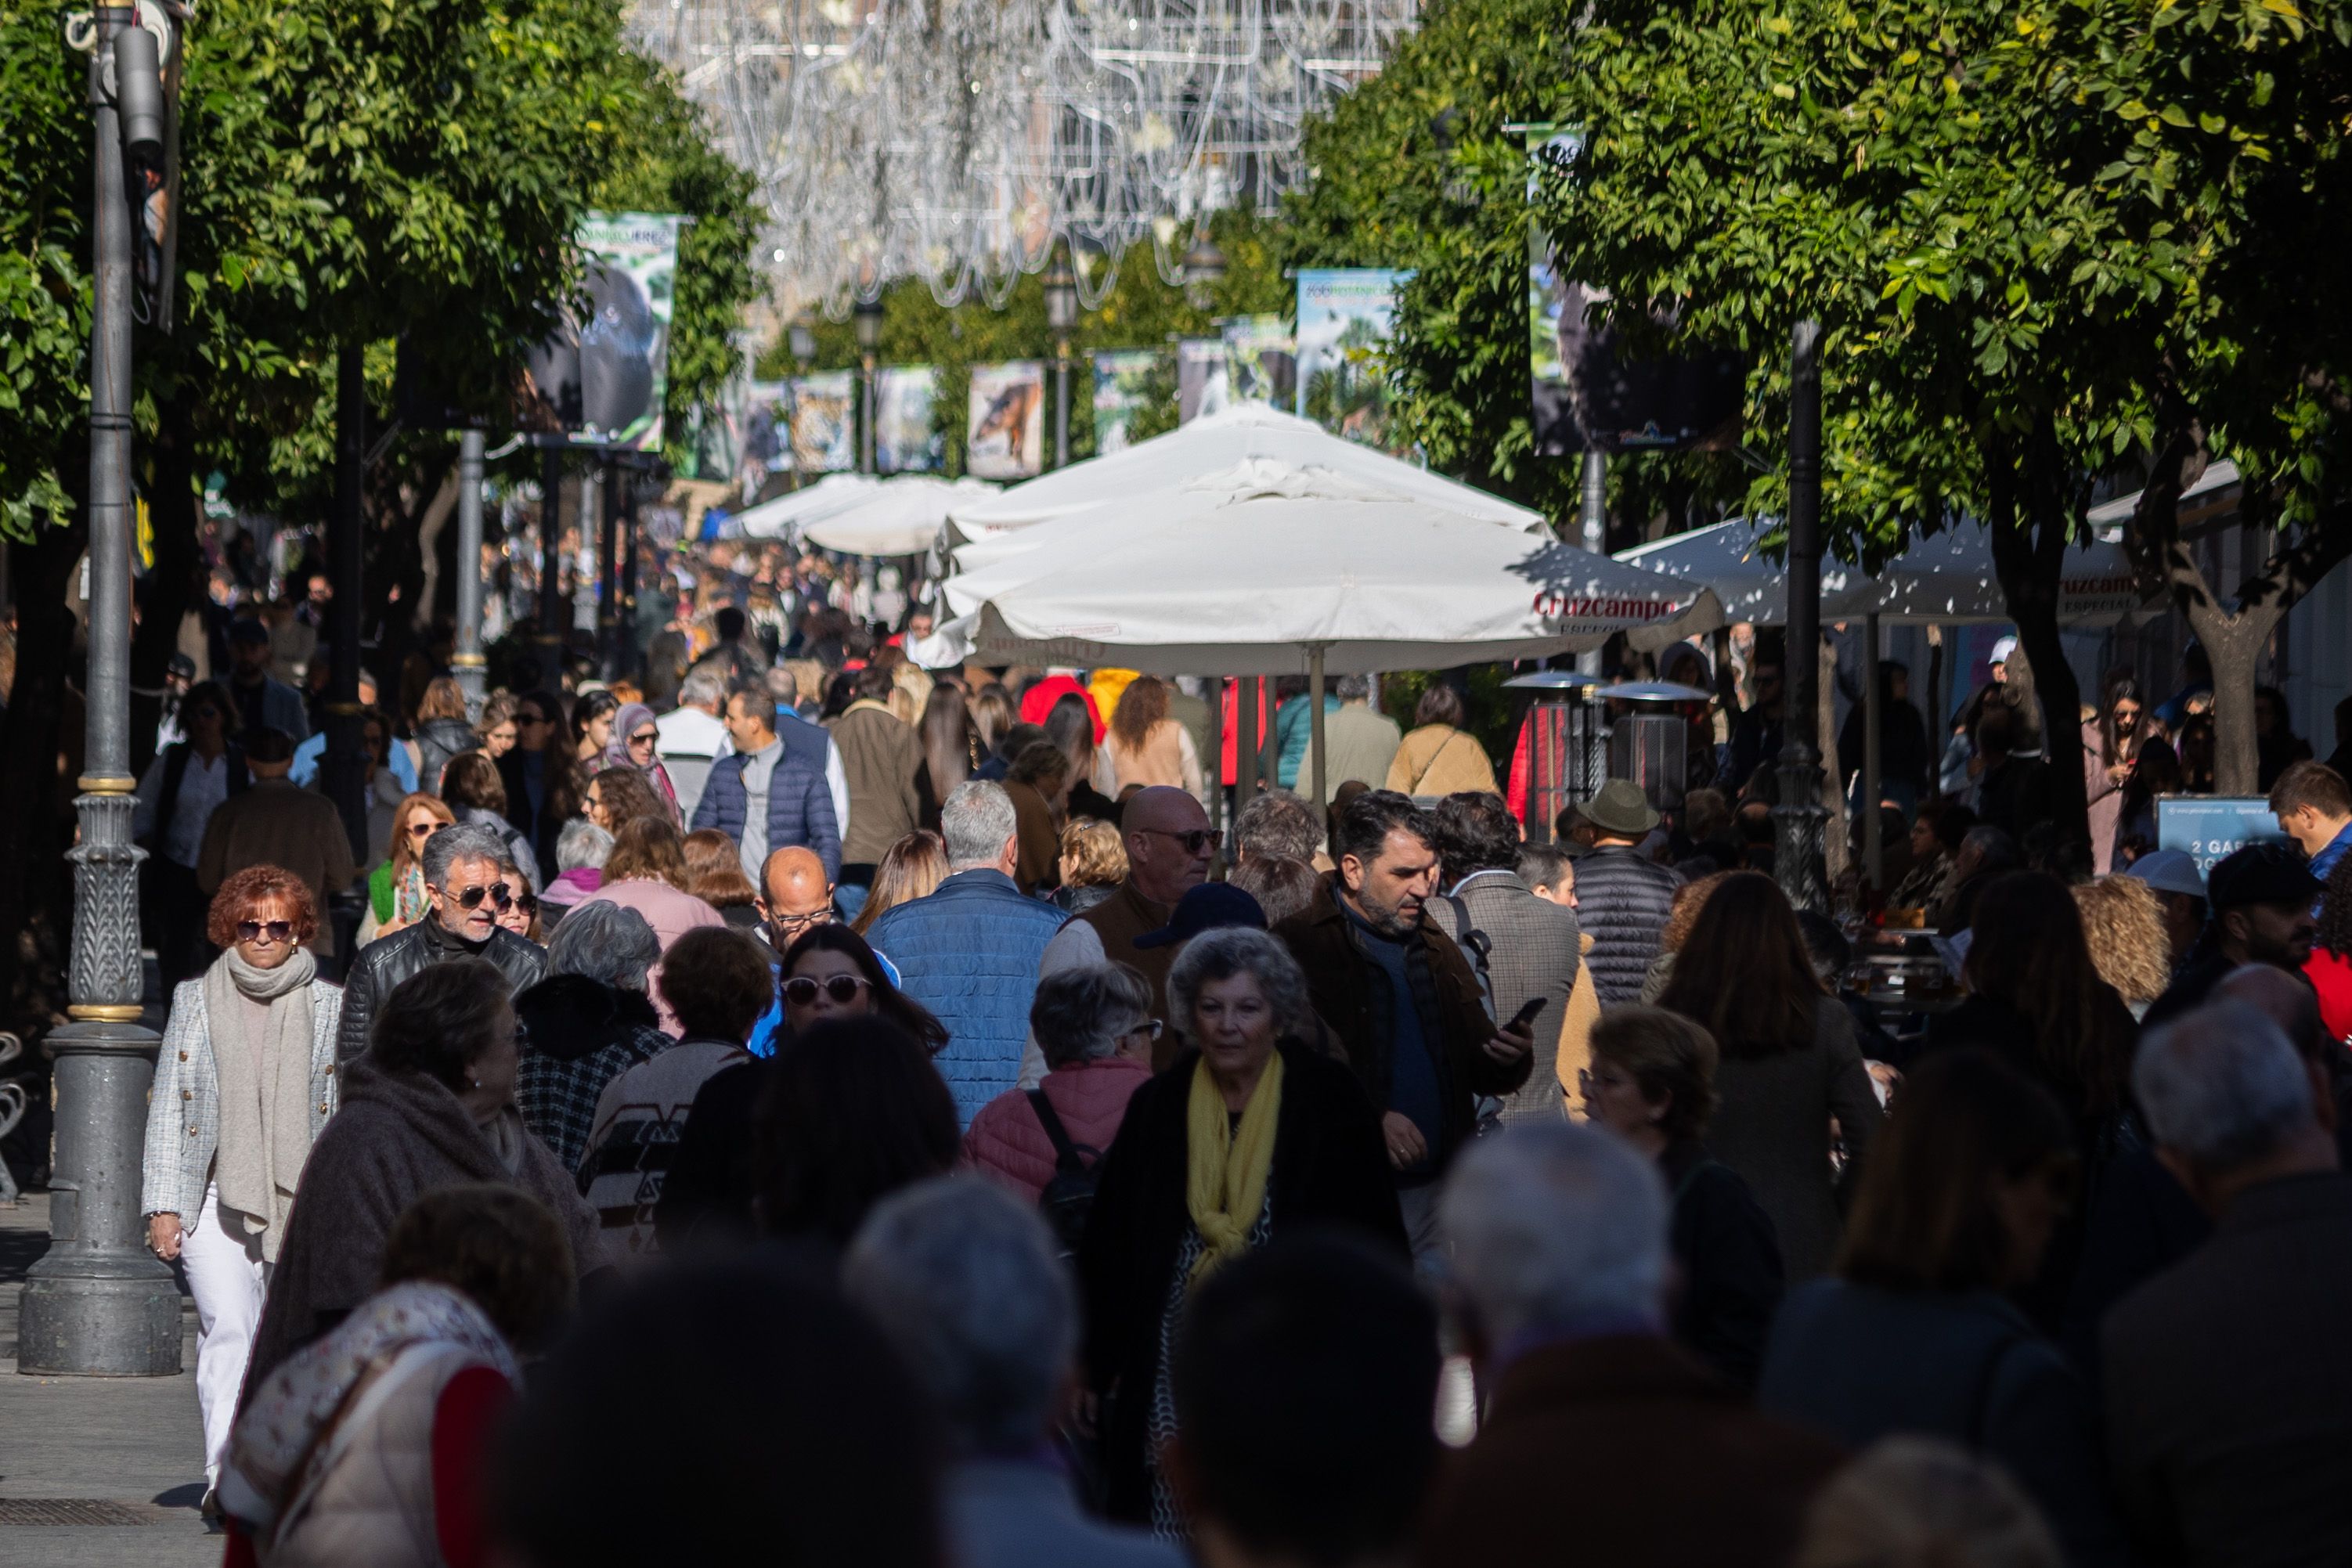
(880, 1110)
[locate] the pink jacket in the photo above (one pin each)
(1008, 1142)
(670, 912)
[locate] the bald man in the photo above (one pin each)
(1168, 849)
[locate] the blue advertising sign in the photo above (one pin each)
(2210, 827)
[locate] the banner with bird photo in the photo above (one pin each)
(1004, 437)
(1345, 314)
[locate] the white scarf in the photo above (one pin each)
(265, 1087)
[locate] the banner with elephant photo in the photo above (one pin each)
(631, 283)
(1004, 437)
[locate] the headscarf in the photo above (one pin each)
(1226, 1170)
(276, 1442)
(260, 1025)
(627, 718)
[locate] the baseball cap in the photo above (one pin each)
(180, 664)
(1205, 908)
(2261, 873)
(2002, 649)
(2169, 871)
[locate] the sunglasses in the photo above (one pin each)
(254, 930)
(497, 892)
(526, 902)
(422, 829)
(800, 990)
(1194, 842)
(644, 737)
(531, 718)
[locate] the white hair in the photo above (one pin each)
(1230, 950)
(1556, 1224)
(702, 687)
(454, 842)
(964, 1280)
(581, 843)
(606, 942)
(2221, 1086)
(975, 822)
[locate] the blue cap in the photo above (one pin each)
(1205, 908)
(2169, 871)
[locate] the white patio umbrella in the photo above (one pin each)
(776, 519)
(1213, 445)
(898, 516)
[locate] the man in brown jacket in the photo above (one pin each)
(1560, 1264)
(275, 822)
(879, 755)
(1402, 1000)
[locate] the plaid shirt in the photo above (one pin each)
(558, 1098)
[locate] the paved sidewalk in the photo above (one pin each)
(131, 1442)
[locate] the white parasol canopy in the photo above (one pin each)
(1213, 445)
(1258, 569)
(898, 517)
(777, 519)
(1946, 578)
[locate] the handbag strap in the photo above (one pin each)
(387, 1372)
(1430, 767)
(1065, 1152)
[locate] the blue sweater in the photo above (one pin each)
(970, 953)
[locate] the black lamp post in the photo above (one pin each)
(801, 338)
(1061, 315)
(868, 316)
(1799, 818)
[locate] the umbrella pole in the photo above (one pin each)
(1245, 750)
(1314, 722)
(1874, 848)
(1216, 770)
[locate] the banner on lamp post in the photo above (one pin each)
(904, 439)
(1004, 432)
(1345, 314)
(1122, 385)
(632, 285)
(824, 422)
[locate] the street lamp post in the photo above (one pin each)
(869, 338)
(1061, 315)
(466, 661)
(342, 773)
(98, 1302)
(1593, 519)
(1799, 817)
(552, 612)
(1205, 269)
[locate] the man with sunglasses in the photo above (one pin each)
(273, 823)
(1169, 844)
(465, 889)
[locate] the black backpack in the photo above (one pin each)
(1069, 1196)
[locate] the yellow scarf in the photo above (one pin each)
(1224, 1170)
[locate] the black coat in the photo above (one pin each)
(380, 966)
(707, 1195)
(1331, 1168)
(1729, 1264)
(1623, 900)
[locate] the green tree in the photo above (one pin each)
(2026, 274)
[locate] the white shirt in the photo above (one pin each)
(758, 771)
(203, 787)
(690, 732)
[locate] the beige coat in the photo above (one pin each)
(277, 823)
(1166, 757)
(1439, 759)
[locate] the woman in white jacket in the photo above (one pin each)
(244, 1080)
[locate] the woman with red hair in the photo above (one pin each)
(243, 1081)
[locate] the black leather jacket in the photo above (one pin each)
(383, 963)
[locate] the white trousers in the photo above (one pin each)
(226, 1276)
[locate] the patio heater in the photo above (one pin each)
(1567, 745)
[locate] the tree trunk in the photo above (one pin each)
(2031, 525)
(34, 886)
(1835, 840)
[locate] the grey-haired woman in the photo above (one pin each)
(587, 1023)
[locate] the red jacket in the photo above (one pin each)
(1039, 701)
(1008, 1142)
(2330, 975)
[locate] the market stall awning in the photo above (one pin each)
(898, 517)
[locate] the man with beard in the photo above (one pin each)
(1402, 1000)
(2260, 899)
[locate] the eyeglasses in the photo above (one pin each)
(1150, 1029)
(793, 925)
(801, 990)
(254, 930)
(497, 892)
(1195, 842)
(644, 737)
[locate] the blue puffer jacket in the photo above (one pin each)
(1623, 899)
(970, 953)
(800, 807)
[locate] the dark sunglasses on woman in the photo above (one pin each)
(801, 990)
(252, 930)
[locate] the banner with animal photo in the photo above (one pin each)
(1261, 361)
(1344, 317)
(904, 439)
(631, 284)
(1122, 385)
(1586, 393)
(824, 422)
(1004, 437)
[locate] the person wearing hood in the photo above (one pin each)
(587, 1023)
(430, 1105)
(244, 1083)
(636, 744)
